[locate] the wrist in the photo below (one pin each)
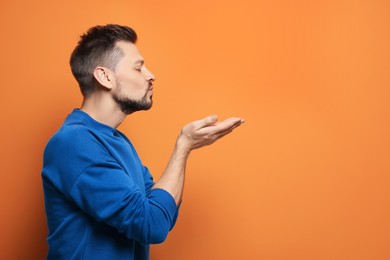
(182, 146)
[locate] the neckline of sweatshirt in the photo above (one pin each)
(80, 117)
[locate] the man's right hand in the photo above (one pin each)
(206, 131)
(194, 135)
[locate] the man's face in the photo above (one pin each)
(134, 89)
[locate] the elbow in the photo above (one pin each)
(151, 235)
(159, 228)
(158, 237)
(154, 220)
(160, 219)
(153, 229)
(148, 235)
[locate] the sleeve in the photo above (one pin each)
(105, 192)
(148, 188)
(148, 180)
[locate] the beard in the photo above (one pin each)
(129, 105)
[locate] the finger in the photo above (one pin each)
(230, 123)
(207, 121)
(233, 120)
(222, 134)
(227, 131)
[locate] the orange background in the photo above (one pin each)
(306, 177)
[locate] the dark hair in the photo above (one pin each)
(96, 48)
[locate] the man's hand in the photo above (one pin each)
(206, 131)
(194, 135)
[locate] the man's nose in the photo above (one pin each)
(149, 76)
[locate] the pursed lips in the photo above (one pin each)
(150, 87)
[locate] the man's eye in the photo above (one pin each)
(138, 69)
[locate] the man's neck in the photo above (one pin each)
(107, 113)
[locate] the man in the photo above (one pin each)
(101, 202)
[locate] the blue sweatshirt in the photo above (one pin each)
(99, 199)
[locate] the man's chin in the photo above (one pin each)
(148, 107)
(140, 108)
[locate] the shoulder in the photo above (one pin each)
(74, 148)
(71, 138)
(70, 151)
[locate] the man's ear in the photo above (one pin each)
(104, 76)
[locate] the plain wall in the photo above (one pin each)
(306, 177)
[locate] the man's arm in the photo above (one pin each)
(193, 136)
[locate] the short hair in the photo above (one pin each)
(96, 48)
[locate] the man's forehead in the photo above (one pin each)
(131, 51)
